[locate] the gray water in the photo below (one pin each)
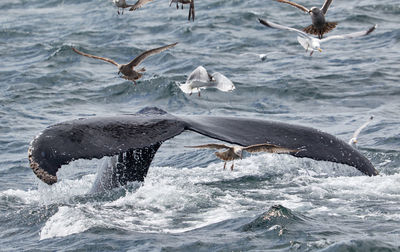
(188, 202)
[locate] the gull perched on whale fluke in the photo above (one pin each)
(353, 141)
(319, 25)
(201, 79)
(235, 152)
(191, 6)
(311, 43)
(127, 70)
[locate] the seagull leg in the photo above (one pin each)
(142, 70)
(177, 5)
(225, 165)
(311, 53)
(233, 163)
(118, 11)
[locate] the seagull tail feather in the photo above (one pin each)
(329, 26)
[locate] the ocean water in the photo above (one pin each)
(188, 202)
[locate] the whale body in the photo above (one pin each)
(134, 139)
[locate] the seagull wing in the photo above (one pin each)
(136, 61)
(325, 6)
(210, 146)
(95, 57)
(199, 74)
(268, 148)
(301, 7)
(222, 82)
(139, 4)
(282, 27)
(351, 35)
(357, 132)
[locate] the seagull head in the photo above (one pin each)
(309, 43)
(353, 141)
(314, 11)
(316, 46)
(238, 151)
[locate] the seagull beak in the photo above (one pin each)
(319, 49)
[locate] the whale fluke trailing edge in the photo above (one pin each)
(135, 138)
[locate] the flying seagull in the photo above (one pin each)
(235, 152)
(201, 79)
(311, 43)
(121, 4)
(139, 4)
(191, 8)
(319, 25)
(353, 141)
(127, 70)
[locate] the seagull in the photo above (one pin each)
(235, 152)
(139, 4)
(127, 70)
(311, 43)
(353, 141)
(201, 79)
(121, 4)
(191, 8)
(319, 25)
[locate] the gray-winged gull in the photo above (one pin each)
(311, 43)
(319, 25)
(201, 79)
(235, 152)
(128, 71)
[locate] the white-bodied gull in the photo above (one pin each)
(353, 141)
(201, 79)
(311, 43)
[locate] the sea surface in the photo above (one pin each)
(188, 202)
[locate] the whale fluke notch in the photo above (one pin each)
(126, 135)
(131, 165)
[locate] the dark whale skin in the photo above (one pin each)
(97, 137)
